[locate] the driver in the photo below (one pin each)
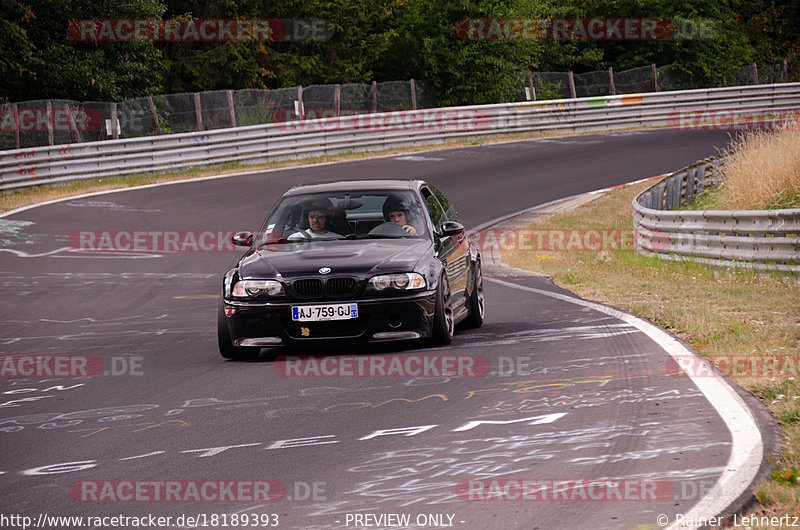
(319, 211)
(396, 211)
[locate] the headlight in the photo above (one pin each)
(406, 281)
(252, 288)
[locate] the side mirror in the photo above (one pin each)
(242, 239)
(452, 228)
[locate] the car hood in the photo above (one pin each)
(357, 257)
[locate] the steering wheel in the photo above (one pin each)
(389, 229)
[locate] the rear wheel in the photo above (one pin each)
(476, 301)
(443, 322)
(226, 347)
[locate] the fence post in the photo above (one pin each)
(230, 107)
(298, 105)
(785, 71)
(413, 86)
(374, 96)
(15, 116)
(655, 77)
(337, 99)
(531, 87)
(611, 81)
(49, 122)
(198, 111)
(572, 85)
(755, 74)
(154, 113)
(114, 119)
(74, 126)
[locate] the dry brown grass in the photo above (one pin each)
(764, 171)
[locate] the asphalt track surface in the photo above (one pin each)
(573, 394)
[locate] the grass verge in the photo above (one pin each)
(721, 313)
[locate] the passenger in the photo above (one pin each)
(319, 212)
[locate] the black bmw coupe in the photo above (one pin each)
(366, 261)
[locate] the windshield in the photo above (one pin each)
(345, 216)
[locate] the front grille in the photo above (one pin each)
(316, 287)
(340, 286)
(320, 330)
(311, 287)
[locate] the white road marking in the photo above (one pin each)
(747, 447)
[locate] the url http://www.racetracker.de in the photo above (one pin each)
(199, 520)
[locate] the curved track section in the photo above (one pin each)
(572, 394)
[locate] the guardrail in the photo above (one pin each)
(758, 239)
(298, 139)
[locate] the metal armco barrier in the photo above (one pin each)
(758, 239)
(300, 139)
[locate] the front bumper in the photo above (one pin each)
(267, 324)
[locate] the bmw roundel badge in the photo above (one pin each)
(325, 270)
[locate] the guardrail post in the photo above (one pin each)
(701, 177)
(230, 107)
(660, 196)
(668, 195)
(374, 96)
(114, 119)
(655, 77)
(413, 87)
(198, 111)
(689, 195)
(715, 171)
(611, 81)
(677, 189)
(572, 85)
(154, 113)
(49, 122)
(15, 117)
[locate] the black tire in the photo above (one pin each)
(443, 321)
(226, 347)
(477, 304)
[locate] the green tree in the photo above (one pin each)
(705, 44)
(40, 60)
(17, 49)
(355, 37)
(433, 43)
(772, 27)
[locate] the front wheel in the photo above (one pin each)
(476, 301)
(226, 347)
(443, 322)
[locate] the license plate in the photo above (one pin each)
(321, 313)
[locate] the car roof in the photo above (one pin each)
(355, 185)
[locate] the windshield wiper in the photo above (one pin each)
(369, 236)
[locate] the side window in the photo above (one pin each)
(434, 209)
(449, 209)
